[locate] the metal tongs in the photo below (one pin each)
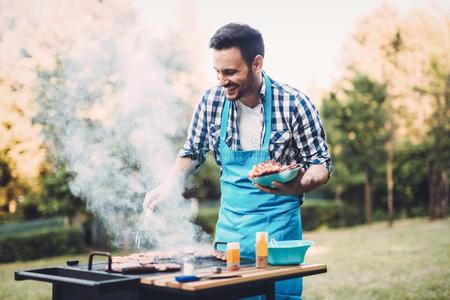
(140, 232)
(137, 240)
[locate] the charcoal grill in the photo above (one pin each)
(91, 281)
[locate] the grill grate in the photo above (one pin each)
(201, 262)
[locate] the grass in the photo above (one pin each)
(29, 289)
(409, 261)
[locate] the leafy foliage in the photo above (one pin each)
(355, 124)
(41, 243)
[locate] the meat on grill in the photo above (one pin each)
(167, 267)
(269, 167)
(147, 262)
(219, 255)
(143, 262)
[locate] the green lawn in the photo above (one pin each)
(409, 261)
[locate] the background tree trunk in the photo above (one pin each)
(338, 200)
(438, 191)
(390, 180)
(368, 204)
(438, 172)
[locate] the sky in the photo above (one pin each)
(303, 39)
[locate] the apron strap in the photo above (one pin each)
(267, 113)
(224, 121)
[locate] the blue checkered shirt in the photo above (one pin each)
(297, 134)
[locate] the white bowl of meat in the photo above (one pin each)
(266, 172)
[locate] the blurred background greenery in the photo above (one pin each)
(386, 119)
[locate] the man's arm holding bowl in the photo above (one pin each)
(306, 181)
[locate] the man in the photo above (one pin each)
(247, 119)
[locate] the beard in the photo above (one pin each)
(240, 91)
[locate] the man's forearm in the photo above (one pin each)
(182, 167)
(185, 165)
(314, 177)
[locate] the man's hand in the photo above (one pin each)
(305, 181)
(173, 184)
(154, 197)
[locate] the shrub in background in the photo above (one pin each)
(315, 213)
(40, 242)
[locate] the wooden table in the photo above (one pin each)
(251, 282)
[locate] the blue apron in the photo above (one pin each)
(245, 209)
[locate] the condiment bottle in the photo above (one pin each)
(233, 256)
(188, 261)
(261, 250)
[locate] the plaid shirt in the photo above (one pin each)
(297, 134)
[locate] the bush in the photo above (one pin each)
(316, 213)
(13, 227)
(41, 243)
(207, 218)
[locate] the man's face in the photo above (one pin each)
(233, 73)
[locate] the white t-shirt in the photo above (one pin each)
(249, 125)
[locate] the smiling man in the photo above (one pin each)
(247, 119)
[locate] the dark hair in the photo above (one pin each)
(242, 36)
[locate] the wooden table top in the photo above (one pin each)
(247, 274)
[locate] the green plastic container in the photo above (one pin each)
(288, 252)
(282, 177)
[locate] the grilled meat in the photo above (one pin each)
(269, 167)
(147, 262)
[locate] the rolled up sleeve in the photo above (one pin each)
(196, 145)
(309, 134)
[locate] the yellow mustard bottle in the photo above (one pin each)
(233, 256)
(261, 250)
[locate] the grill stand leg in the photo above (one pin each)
(270, 293)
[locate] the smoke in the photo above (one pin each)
(109, 111)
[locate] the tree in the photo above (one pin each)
(438, 143)
(397, 48)
(356, 116)
(21, 148)
(100, 90)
